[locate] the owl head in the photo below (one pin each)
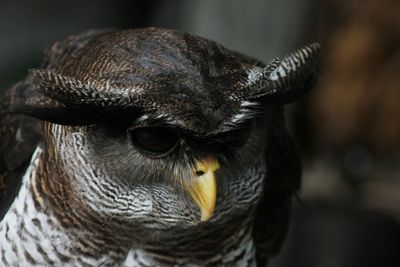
(159, 128)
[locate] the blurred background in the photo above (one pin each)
(347, 127)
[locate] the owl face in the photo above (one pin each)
(159, 173)
(160, 128)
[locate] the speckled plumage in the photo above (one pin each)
(90, 198)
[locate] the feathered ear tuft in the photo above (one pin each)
(70, 91)
(62, 100)
(22, 98)
(283, 80)
(95, 93)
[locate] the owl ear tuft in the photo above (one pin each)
(284, 80)
(71, 91)
(94, 93)
(48, 97)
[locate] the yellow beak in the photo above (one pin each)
(203, 188)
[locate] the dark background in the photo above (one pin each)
(347, 128)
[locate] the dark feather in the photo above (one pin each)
(19, 135)
(283, 181)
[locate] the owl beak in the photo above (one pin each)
(203, 188)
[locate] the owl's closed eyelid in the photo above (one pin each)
(154, 141)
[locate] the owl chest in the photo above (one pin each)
(242, 256)
(237, 250)
(30, 235)
(24, 232)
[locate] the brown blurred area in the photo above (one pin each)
(353, 113)
(347, 127)
(358, 96)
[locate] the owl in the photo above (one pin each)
(148, 147)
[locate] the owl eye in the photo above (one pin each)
(155, 141)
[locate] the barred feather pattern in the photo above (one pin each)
(295, 67)
(282, 75)
(30, 233)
